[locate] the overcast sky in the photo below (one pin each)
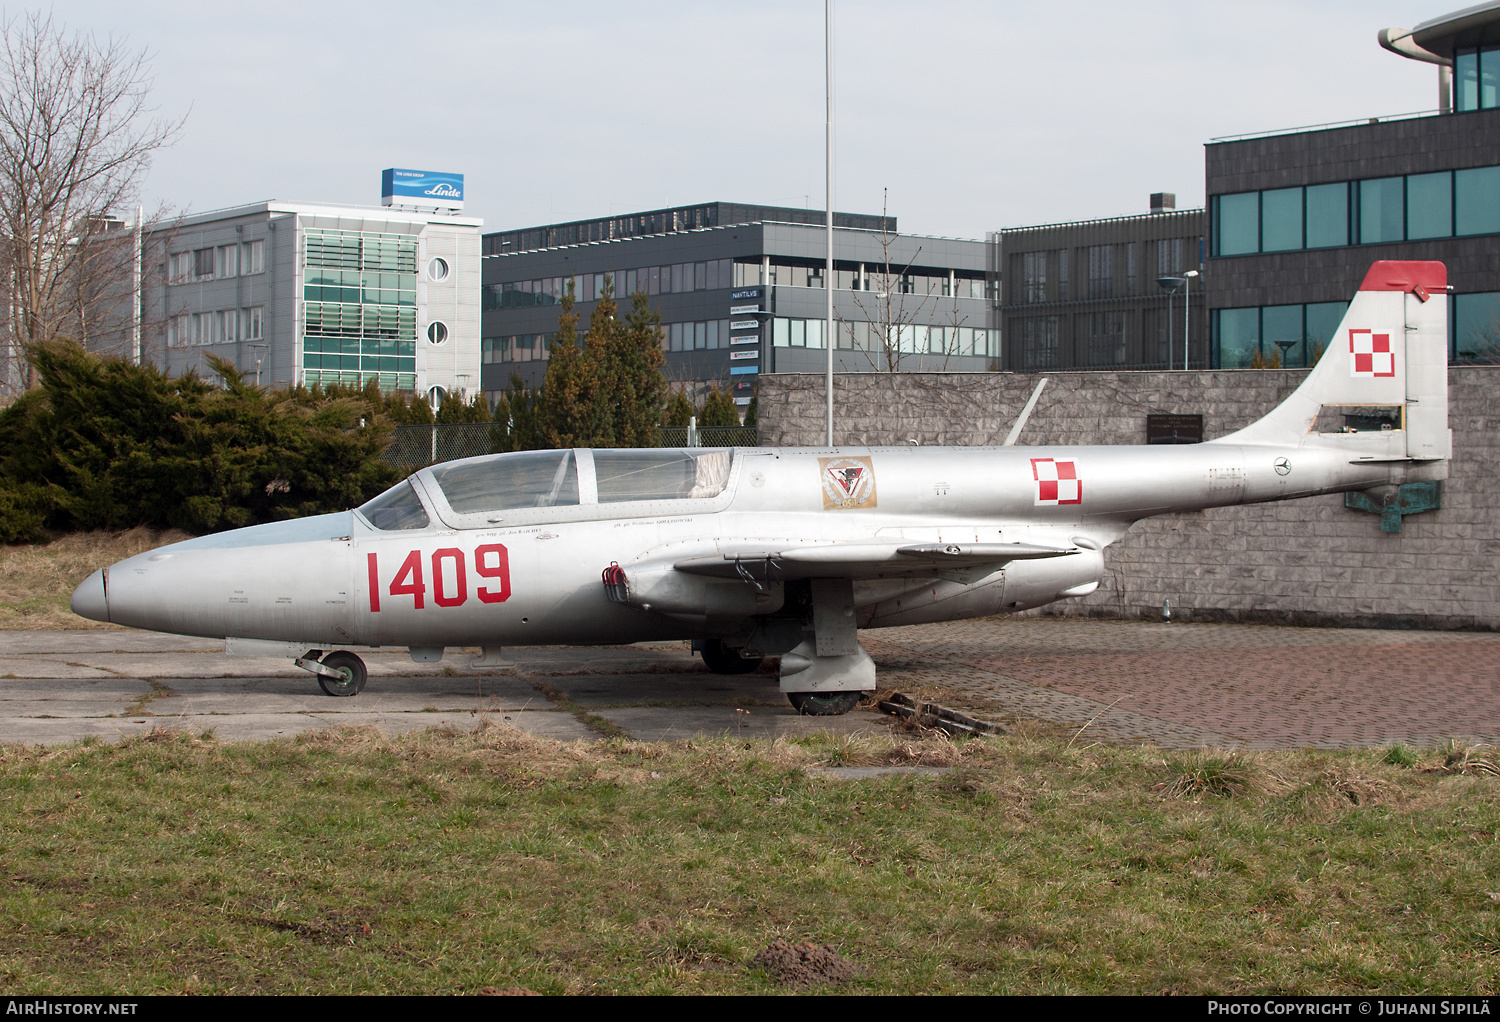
(975, 116)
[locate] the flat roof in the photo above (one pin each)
(1472, 26)
(324, 209)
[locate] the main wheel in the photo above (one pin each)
(720, 659)
(824, 704)
(352, 674)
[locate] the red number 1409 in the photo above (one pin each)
(450, 583)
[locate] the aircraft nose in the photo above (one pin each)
(91, 599)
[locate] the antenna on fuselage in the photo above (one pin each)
(1015, 431)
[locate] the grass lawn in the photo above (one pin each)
(351, 861)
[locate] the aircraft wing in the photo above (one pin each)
(864, 560)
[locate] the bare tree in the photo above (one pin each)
(886, 308)
(76, 139)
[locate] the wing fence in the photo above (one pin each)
(414, 447)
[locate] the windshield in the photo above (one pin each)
(508, 481)
(661, 475)
(396, 509)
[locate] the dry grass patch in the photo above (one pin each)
(36, 582)
(349, 860)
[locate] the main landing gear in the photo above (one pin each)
(721, 659)
(340, 673)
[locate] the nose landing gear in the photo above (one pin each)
(340, 673)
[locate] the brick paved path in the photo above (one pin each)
(1186, 685)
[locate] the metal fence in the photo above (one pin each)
(413, 447)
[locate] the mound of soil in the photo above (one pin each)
(804, 965)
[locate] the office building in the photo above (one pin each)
(1298, 216)
(740, 292)
(1104, 294)
(303, 293)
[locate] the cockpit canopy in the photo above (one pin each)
(500, 483)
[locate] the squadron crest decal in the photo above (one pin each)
(1057, 481)
(1370, 354)
(848, 483)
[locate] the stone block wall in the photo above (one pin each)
(1308, 561)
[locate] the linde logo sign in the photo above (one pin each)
(421, 188)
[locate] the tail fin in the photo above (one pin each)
(1389, 355)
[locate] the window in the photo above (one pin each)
(1327, 215)
(1130, 276)
(203, 263)
(252, 322)
(1382, 209)
(437, 269)
(660, 475)
(1101, 271)
(1237, 342)
(1062, 274)
(505, 482)
(397, 509)
(179, 267)
(226, 326)
(254, 260)
(1429, 205)
(1105, 333)
(1039, 342)
(1236, 224)
(179, 331)
(227, 261)
(1281, 334)
(1476, 200)
(1476, 327)
(1281, 220)
(1169, 257)
(1034, 277)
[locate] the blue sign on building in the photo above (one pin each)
(431, 188)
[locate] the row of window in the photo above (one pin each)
(1296, 335)
(383, 346)
(907, 338)
(1106, 271)
(355, 286)
(336, 319)
(1476, 79)
(359, 363)
(716, 274)
(1290, 336)
(356, 250)
(216, 262)
(711, 275)
(1414, 207)
(1112, 338)
(187, 329)
(516, 348)
(387, 381)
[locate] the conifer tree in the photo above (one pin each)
(679, 410)
(632, 363)
(718, 409)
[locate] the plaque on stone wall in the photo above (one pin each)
(1174, 429)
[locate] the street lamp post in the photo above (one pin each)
(1171, 285)
(1187, 303)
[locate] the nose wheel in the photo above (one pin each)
(340, 673)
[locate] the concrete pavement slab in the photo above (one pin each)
(48, 667)
(686, 689)
(301, 694)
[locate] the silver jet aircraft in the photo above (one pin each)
(757, 552)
